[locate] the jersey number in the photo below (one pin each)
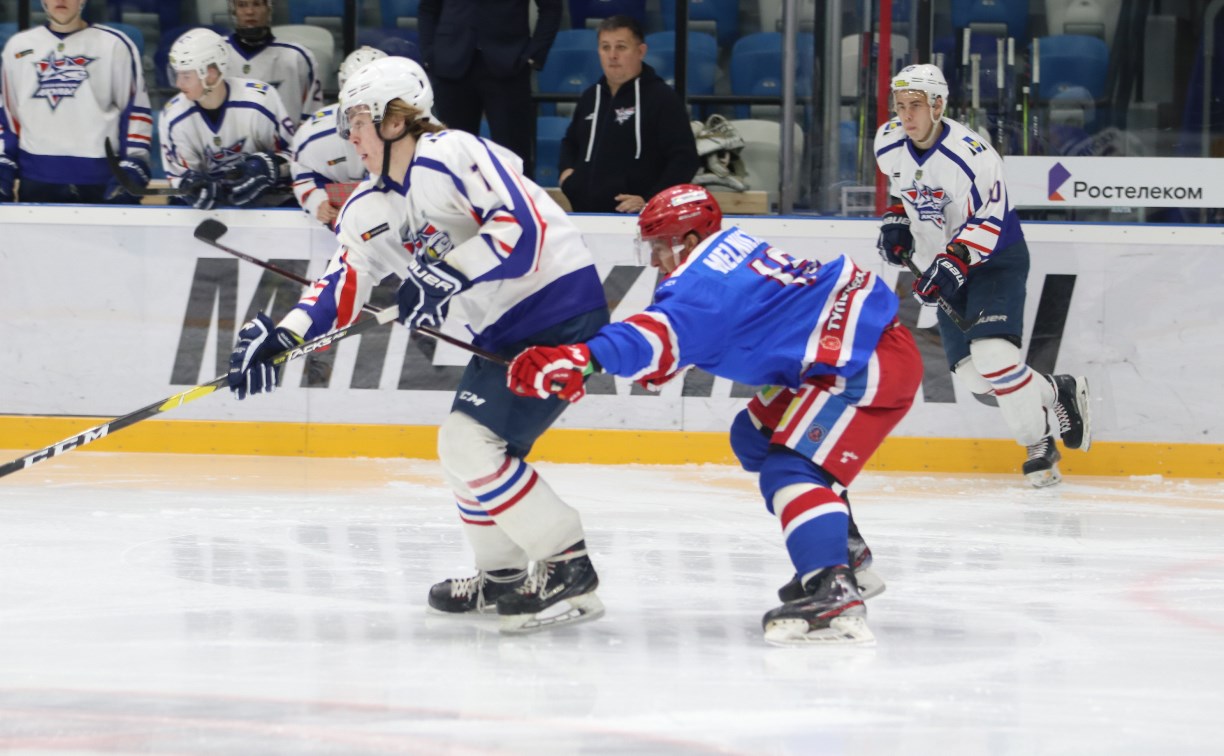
(785, 269)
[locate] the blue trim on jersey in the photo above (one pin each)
(521, 258)
(977, 198)
(440, 167)
(320, 135)
(318, 178)
(893, 146)
(913, 150)
(63, 169)
(570, 295)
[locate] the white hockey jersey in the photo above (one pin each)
(952, 192)
(65, 95)
(251, 119)
(288, 67)
(321, 157)
(464, 201)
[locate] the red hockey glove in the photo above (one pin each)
(543, 370)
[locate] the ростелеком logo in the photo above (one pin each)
(1058, 177)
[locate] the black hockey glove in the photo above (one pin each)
(424, 296)
(896, 242)
(137, 173)
(8, 178)
(202, 191)
(251, 370)
(946, 275)
(257, 173)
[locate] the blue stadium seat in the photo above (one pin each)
(1008, 15)
(168, 14)
(756, 66)
(572, 65)
(549, 132)
(702, 59)
(7, 30)
(400, 13)
(724, 14)
(392, 40)
(583, 10)
(300, 10)
(132, 33)
(1072, 60)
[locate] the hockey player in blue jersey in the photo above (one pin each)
(839, 370)
(951, 214)
(452, 215)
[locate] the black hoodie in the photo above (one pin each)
(642, 143)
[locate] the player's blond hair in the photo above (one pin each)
(412, 116)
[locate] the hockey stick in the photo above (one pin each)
(948, 310)
(211, 230)
(102, 431)
(130, 186)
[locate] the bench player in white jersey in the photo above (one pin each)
(224, 140)
(320, 157)
(68, 87)
(451, 214)
(256, 54)
(951, 214)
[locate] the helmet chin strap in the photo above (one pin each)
(386, 161)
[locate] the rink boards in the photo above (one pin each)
(109, 309)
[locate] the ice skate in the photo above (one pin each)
(870, 584)
(559, 591)
(1041, 467)
(474, 595)
(831, 612)
(1073, 411)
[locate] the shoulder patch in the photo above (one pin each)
(257, 86)
(381, 228)
(975, 146)
(23, 53)
(891, 126)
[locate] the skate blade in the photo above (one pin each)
(869, 583)
(488, 610)
(1044, 478)
(572, 611)
(1081, 401)
(842, 631)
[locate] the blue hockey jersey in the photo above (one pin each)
(740, 309)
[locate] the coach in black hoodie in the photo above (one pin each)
(639, 141)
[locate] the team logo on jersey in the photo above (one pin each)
(815, 433)
(433, 241)
(624, 114)
(928, 201)
(60, 77)
(832, 343)
(224, 156)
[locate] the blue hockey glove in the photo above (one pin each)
(137, 173)
(200, 189)
(896, 242)
(541, 371)
(945, 276)
(257, 174)
(251, 370)
(8, 178)
(424, 296)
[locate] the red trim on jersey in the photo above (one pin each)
(667, 352)
(346, 309)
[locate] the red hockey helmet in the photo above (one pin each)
(669, 217)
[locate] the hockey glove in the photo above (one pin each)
(257, 174)
(202, 191)
(8, 178)
(896, 243)
(424, 296)
(251, 370)
(945, 276)
(539, 371)
(137, 173)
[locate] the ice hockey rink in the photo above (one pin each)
(159, 604)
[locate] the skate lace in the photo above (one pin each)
(541, 571)
(1064, 417)
(1038, 450)
(464, 587)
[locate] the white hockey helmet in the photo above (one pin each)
(925, 78)
(357, 60)
(373, 87)
(198, 49)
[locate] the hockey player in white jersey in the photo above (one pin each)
(951, 215)
(224, 140)
(320, 156)
(68, 87)
(256, 54)
(452, 215)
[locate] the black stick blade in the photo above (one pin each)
(210, 230)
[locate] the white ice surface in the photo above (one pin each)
(201, 605)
